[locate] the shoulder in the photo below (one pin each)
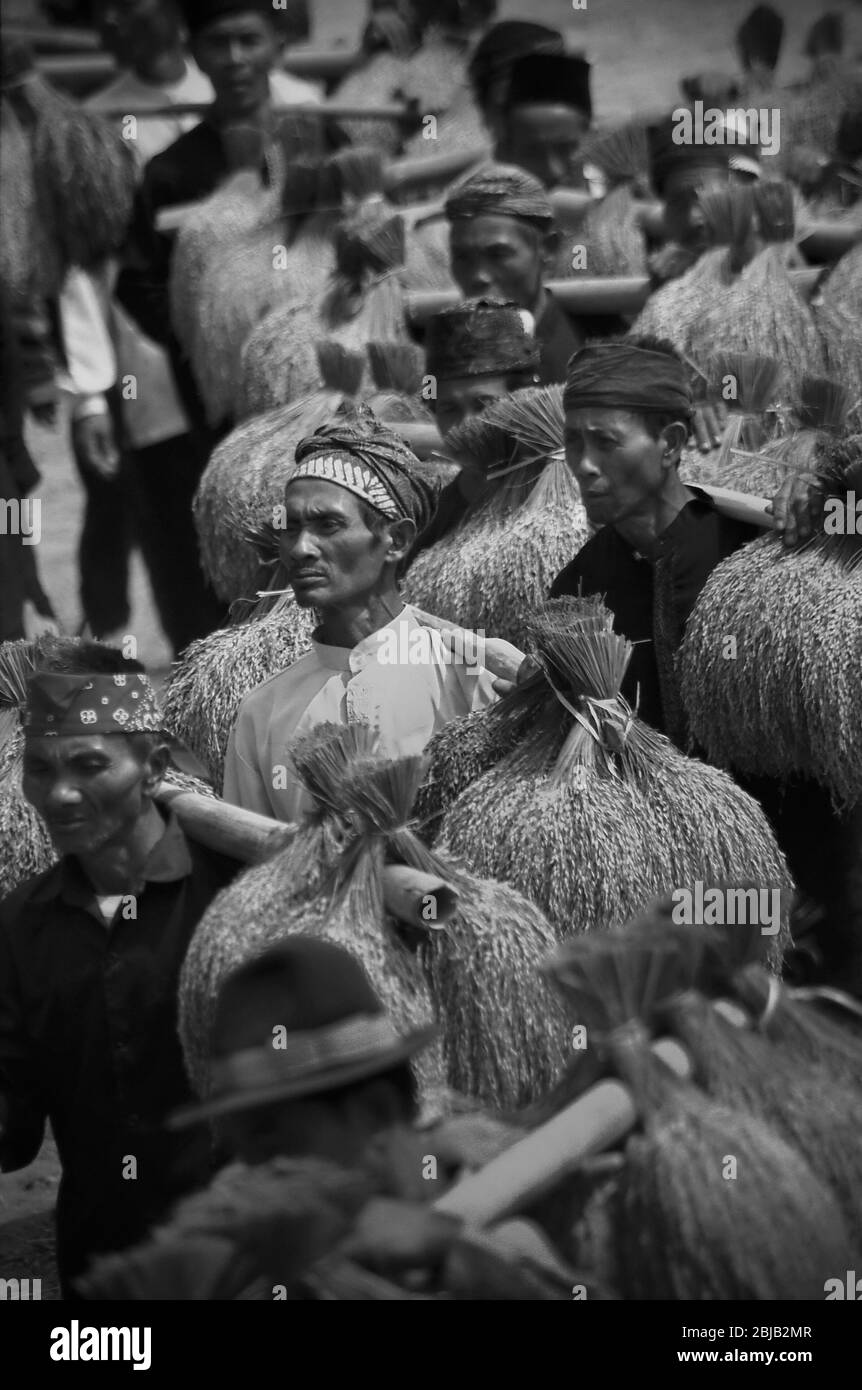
(185, 166)
(293, 90)
(578, 571)
(261, 698)
(209, 866)
(16, 907)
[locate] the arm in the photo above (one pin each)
(92, 367)
(142, 285)
(22, 1106)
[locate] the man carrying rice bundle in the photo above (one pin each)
(628, 415)
(90, 954)
(352, 510)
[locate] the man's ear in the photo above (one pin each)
(550, 249)
(156, 767)
(674, 437)
(402, 534)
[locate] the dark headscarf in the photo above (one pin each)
(502, 46)
(551, 79)
(355, 451)
(482, 337)
(623, 376)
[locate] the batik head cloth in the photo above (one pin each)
(622, 376)
(60, 704)
(360, 454)
(500, 190)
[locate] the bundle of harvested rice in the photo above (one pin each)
(206, 685)
(788, 702)
(838, 315)
(819, 1115)
(675, 309)
(501, 1036)
(592, 811)
(678, 1229)
(761, 311)
(819, 417)
(461, 127)
(243, 483)
(612, 231)
(498, 563)
(84, 174)
(432, 77)
(748, 385)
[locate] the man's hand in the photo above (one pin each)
(528, 668)
(42, 403)
(797, 508)
(709, 421)
(96, 446)
(392, 1236)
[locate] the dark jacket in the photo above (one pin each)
(88, 1041)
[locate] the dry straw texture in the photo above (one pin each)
(789, 701)
(592, 813)
(838, 315)
(206, 685)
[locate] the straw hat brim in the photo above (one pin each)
(316, 1081)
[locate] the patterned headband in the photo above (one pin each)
(343, 470)
(60, 704)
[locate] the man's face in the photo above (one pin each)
(309, 1127)
(683, 214)
(136, 31)
(237, 54)
(330, 556)
(498, 258)
(617, 463)
(545, 140)
(460, 397)
(90, 791)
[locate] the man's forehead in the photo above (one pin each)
(549, 119)
(692, 178)
(244, 22)
(593, 417)
(490, 227)
(315, 494)
(480, 385)
(58, 746)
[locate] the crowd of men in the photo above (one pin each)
(88, 1006)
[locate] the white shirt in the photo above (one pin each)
(399, 680)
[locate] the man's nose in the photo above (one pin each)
(235, 52)
(62, 794)
(302, 546)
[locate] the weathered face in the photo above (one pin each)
(497, 258)
(137, 31)
(618, 465)
(90, 790)
(237, 53)
(683, 214)
(460, 397)
(546, 140)
(331, 557)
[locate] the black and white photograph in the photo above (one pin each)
(430, 673)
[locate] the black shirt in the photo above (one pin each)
(88, 1040)
(651, 599)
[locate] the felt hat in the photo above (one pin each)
(302, 1019)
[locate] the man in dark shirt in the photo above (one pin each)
(503, 244)
(628, 414)
(236, 43)
(90, 954)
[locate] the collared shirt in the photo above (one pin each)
(395, 680)
(88, 1040)
(651, 598)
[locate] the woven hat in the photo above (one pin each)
(301, 1019)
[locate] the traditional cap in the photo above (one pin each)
(758, 38)
(60, 704)
(316, 1000)
(735, 153)
(502, 46)
(359, 454)
(198, 14)
(500, 190)
(483, 337)
(550, 79)
(623, 376)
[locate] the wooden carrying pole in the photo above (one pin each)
(520, 1175)
(85, 68)
(323, 110)
(606, 294)
(250, 838)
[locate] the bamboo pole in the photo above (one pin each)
(606, 294)
(438, 168)
(418, 899)
(740, 506)
(323, 110)
(520, 1175)
(48, 38)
